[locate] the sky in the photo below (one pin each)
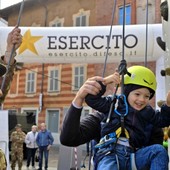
(6, 3)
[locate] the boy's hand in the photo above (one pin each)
(114, 78)
(91, 86)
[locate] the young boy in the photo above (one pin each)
(130, 126)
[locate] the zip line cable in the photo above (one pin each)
(123, 49)
(146, 44)
(26, 68)
(108, 42)
(13, 48)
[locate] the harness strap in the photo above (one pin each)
(111, 138)
(133, 164)
(117, 160)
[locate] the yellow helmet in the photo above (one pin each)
(140, 75)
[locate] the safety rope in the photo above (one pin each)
(146, 43)
(122, 71)
(109, 38)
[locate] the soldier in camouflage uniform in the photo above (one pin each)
(17, 140)
(3, 163)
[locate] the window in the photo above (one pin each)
(29, 116)
(57, 22)
(30, 82)
(81, 18)
(79, 76)
(127, 15)
(53, 80)
(81, 21)
(53, 121)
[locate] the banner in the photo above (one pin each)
(85, 44)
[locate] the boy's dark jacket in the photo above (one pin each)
(139, 124)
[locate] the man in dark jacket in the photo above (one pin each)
(44, 141)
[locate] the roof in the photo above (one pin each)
(4, 13)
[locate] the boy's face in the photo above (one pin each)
(139, 98)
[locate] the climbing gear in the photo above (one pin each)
(122, 97)
(142, 76)
(130, 76)
(122, 70)
(110, 139)
(132, 159)
(113, 149)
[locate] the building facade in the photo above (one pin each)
(47, 90)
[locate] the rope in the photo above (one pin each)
(122, 69)
(146, 43)
(123, 46)
(108, 42)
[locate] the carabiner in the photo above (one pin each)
(123, 98)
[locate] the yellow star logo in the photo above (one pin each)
(28, 42)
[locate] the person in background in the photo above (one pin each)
(31, 145)
(44, 142)
(14, 39)
(17, 140)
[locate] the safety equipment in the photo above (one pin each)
(140, 75)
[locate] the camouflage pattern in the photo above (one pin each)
(17, 139)
(8, 80)
(3, 163)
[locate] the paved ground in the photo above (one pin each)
(54, 160)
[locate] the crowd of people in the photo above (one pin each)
(36, 141)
